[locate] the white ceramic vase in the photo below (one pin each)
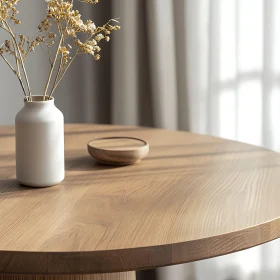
(39, 143)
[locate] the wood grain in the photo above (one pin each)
(108, 276)
(118, 150)
(194, 197)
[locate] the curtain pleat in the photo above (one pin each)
(196, 33)
(162, 62)
(125, 77)
(181, 45)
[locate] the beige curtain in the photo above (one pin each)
(206, 66)
(135, 82)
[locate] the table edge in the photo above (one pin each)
(129, 259)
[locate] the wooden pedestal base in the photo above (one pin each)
(110, 276)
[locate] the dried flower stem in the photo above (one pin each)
(8, 29)
(18, 69)
(63, 73)
(12, 68)
(17, 63)
(57, 80)
(52, 68)
(16, 58)
(49, 54)
(56, 76)
(62, 34)
(19, 78)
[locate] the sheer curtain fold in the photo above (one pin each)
(180, 24)
(163, 62)
(196, 35)
(125, 67)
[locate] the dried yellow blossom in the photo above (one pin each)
(62, 29)
(97, 57)
(8, 10)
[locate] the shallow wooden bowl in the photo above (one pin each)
(118, 150)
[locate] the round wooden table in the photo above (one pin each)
(193, 197)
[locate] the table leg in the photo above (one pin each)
(149, 274)
(109, 276)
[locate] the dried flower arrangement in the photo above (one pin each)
(66, 41)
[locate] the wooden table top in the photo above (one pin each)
(193, 197)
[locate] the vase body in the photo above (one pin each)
(39, 144)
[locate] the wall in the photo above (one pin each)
(11, 94)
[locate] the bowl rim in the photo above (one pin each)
(145, 146)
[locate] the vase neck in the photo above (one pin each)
(37, 102)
